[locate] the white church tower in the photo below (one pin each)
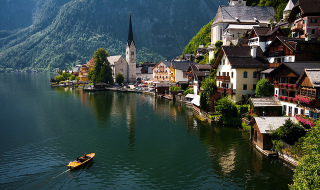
(131, 55)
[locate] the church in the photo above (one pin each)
(127, 67)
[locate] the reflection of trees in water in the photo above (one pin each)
(101, 103)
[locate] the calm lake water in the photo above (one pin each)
(140, 142)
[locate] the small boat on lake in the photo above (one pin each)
(80, 161)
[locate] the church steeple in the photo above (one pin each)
(130, 33)
(131, 54)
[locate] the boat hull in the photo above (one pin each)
(80, 161)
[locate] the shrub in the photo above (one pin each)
(188, 91)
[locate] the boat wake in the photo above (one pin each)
(61, 173)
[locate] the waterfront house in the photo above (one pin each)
(171, 71)
(308, 95)
(285, 79)
(84, 70)
(305, 16)
(237, 70)
(237, 19)
(196, 74)
(266, 106)
(262, 127)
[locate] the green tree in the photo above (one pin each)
(264, 88)
(101, 72)
(307, 173)
(228, 111)
(203, 101)
(119, 78)
(289, 132)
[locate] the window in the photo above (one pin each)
(290, 109)
(223, 62)
(132, 53)
(245, 74)
(314, 20)
(219, 73)
(254, 74)
(290, 59)
(284, 108)
(244, 87)
(301, 32)
(254, 86)
(303, 22)
(313, 31)
(231, 74)
(295, 111)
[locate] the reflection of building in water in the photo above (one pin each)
(131, 108)
(227, 162)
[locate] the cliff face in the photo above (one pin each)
(55, 33)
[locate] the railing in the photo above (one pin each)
(223, 78)
(274, 64)
(286, 86)
(226, 90)
(297, 27)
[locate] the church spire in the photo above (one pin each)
(130, 33)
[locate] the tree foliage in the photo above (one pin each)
(229, 112)
(209, 87)
(203, 37)
(119, 78)
(307, 174)
(289, 132)
(264, 88)
(101, 72)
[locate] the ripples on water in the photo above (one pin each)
(140, 143)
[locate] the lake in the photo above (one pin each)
(141, 142)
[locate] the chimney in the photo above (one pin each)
(254, 51)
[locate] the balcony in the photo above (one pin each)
(226, 90)
(297, 28)
(286, 86)
(254, 41)
(276, 53)
(223, 78)
(273, 65)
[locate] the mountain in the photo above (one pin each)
(67, 32)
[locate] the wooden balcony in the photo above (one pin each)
(273, 65)
(223, 78)
(276, 53)
(226, 90)
(286, 86)
(297, 28)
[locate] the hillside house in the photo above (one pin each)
(233, 21)
(305, 16)
(283, 49)
(237, 70)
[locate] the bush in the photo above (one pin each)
(188, 91)
(59, 78)
(289, 132)
(229, 112)
(246, 127)
(174, 89)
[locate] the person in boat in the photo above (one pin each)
(85, 155)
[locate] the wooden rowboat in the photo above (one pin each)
(80, 161)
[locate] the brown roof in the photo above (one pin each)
(266, 102)
(313, 75)
(240, 57)
(308, 6)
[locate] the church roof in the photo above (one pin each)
(244, 14)
(113, 59)
(130, 33)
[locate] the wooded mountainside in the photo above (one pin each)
(48, 34)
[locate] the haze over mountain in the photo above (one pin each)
(55, 33)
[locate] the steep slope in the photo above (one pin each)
(67, 32)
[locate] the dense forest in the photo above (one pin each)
(46, 34)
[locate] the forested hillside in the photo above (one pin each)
(67, 32)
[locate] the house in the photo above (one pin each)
(118, 65)
(262, 127)
(237, 70)
(285, 79)
(308, 95)
(233, 21)
(171, 71)
(305, 16)
(84, 70)
(266, 106)
(196, 74)
(263, 36)
(144, 73)
(201, 51)
(283, 49)
(76, 69)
